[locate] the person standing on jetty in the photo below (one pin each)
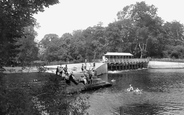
(68, 76)
(65, 68)
(82, 68)
(59, 70)
(87, 75)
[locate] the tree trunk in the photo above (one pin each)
(94, 57)
(141, 49)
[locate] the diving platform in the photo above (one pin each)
(96, 84)
(118, 61)
(126, 64)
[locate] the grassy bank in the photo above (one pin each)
(167, 60)
(18, 90)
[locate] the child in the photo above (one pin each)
(130, 89)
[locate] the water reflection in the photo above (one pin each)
(163, 93)
(140, 109)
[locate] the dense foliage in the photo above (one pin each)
(32, 94)
(15, 15)
(138, 30)
(27, 47)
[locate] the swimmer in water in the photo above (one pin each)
(138, 91)
(130, 88)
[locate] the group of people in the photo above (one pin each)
(68, 76)
(131, 89)
(86, 77)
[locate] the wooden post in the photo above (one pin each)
(121, 66)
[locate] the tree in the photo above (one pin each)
(27, 47)
(174, 32)
(145, 23)
(113, 34)
(174, 52)
(48, 39)
(66, 41)
(173, 42)
(14, 16)
(88, 38)
(128, 35)
(49, 47)
(153, 47)
(94, 41)
(98, 43)
(78, 46)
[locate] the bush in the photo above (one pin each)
(174, 52)
(19, 90)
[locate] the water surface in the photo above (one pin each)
(163, 94)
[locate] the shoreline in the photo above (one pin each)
(165, 65)
(100, 67)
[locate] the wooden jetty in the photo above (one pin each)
(126, 64)
(123, 61)
(96, 84)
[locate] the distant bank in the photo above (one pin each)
(165, 65)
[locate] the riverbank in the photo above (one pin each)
(165, 65)
(39, 80)
(100, 68)
(32, 93)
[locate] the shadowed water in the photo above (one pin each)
(163, 93)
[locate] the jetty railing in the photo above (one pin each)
(126, 64)
(133, 60)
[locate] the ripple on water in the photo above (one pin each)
(163, 93)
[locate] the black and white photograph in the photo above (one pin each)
(91, 57)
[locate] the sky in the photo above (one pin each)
(71, 15)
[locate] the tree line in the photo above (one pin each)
(138, 30)
(17, 29)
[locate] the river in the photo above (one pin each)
(162, 94)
